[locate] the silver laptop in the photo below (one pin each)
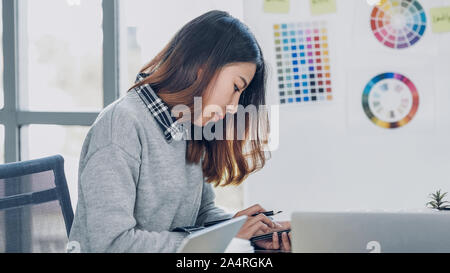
(213, 239)
(366, 232)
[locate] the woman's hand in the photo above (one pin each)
(274, 243)
(255, 225)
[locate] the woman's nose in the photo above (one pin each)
(233, 105)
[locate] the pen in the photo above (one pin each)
(268, 213)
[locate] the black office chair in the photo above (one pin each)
(33, 197)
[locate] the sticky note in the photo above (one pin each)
(319, 7)
(440, 19)
(276, 6)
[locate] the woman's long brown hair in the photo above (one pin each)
(207, 44)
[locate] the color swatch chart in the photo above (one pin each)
(303, 63)
(398, 24)
(390, 100)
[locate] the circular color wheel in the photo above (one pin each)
(390, 100)
(398, 24)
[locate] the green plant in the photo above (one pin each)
(438, 201)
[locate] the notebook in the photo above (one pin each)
(214, 239)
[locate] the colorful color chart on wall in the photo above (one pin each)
(398, 24)
(303, 62)
(390, 100)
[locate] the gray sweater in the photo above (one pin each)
(134, 187)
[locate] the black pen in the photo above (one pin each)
(268, 213)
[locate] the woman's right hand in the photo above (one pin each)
(255, 225)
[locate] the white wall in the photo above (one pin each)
(328, 159)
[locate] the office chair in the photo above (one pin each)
(33, 197)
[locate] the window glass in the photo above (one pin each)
(64, 55)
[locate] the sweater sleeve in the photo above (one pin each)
(208, 210)
(108, 186)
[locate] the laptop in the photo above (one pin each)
(213, 239)
(371, 232)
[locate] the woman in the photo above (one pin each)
(144, 172)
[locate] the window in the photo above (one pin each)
(56, 38)
(63, 38)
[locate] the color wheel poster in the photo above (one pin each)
(390, 100)
(399, 26)
(392, 89)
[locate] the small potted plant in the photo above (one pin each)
(437, 201)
